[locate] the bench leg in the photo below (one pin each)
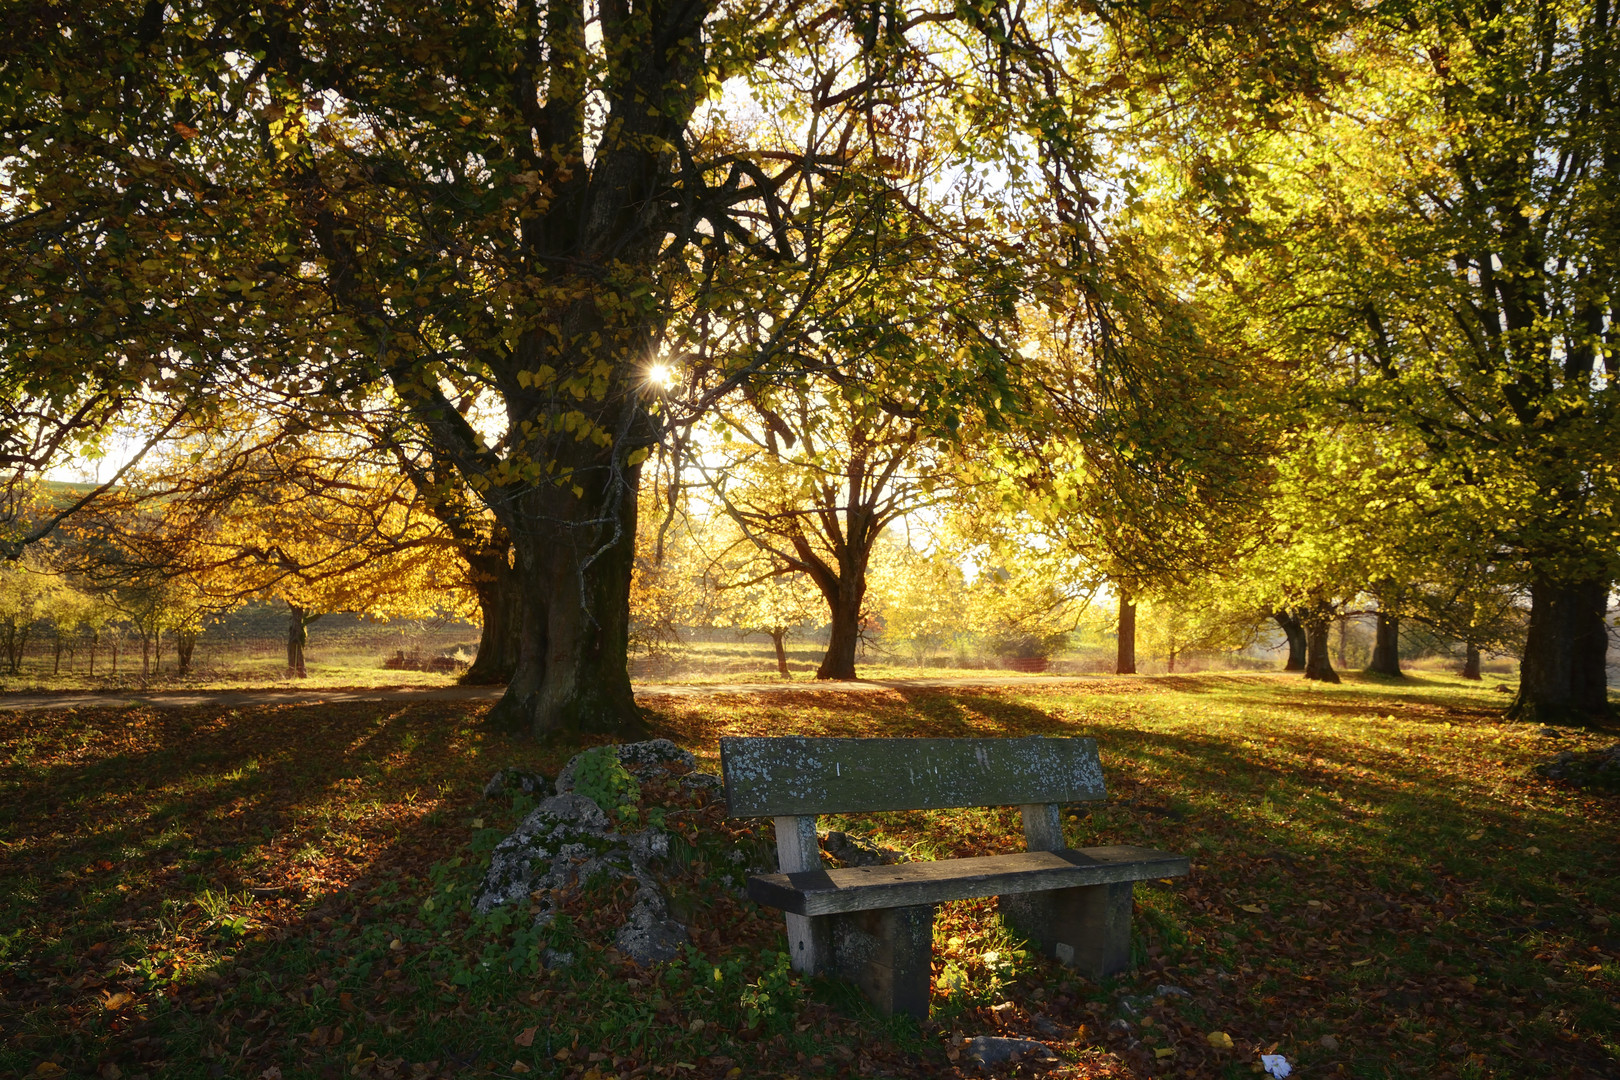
(887, 953)
(810, 943)
(1087, 928)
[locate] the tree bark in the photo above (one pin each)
(1318, 665)
(779, 639)
(1294, 631)
(1386, 654)
(185, 642)
(845, 608)
(1470, 668)
(500, 601)
(575, 555)
(1343, 626)
(1562, 676)
(1125, 655)
(297, 637)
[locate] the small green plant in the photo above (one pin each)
(772, 1000)
(600, 777)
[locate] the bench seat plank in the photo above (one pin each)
(863, 888)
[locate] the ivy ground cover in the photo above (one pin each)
(1381, 886)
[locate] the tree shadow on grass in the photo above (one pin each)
(1415, 855)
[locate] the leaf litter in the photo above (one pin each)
(283, 891)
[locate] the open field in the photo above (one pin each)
(347, 653)
(1381, 887)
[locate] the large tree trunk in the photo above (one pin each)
(845, 609)
(1386, 654)
(1318, 665)
(575, 557)
(779, 639)
(1562, 677)
(1294, 631)
(1125, 656)
(500, 600)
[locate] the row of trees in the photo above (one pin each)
(1312, 300)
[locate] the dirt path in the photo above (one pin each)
(184, 699)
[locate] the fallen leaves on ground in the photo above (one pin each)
(1380, 887)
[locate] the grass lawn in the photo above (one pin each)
(1380, 887)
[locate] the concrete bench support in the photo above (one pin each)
(887, 953)
(1087, 928)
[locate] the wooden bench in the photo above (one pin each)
(874, 924)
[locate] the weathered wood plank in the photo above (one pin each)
(809, 940)
(1043, 828)
(768, 777)
(864, 888)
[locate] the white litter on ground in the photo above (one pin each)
(1276, 1065)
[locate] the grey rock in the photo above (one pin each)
(554, 959)
(1549, 733)
(1597, 769)
(996, 1049)
(1129, 1006)
(566, 840)
(702, 781)
(1049, 1027)
(1120, 1024)
(508, 782)
(859, 851)
(1170, 991)
(650, 934)
(642, 760)
(541, 852)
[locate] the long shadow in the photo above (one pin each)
(1388, 840)
(319, 992)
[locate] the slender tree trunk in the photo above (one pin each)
(146, 653)
(1294, 631)
(1170, 664)
(1562, 677)
(1386, 654)
(56, 662)
(114, 646)
(1343, 626)
(1318, 665)
(95, 639)
(1125, 656)
(298, 621)
(185, 642)
(575, 558)
(779, 639)
(500, 602)
(1471, 661)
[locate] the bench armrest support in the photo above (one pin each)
(1043, 827)
(810, 946)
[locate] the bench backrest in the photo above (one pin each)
(769, 777)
